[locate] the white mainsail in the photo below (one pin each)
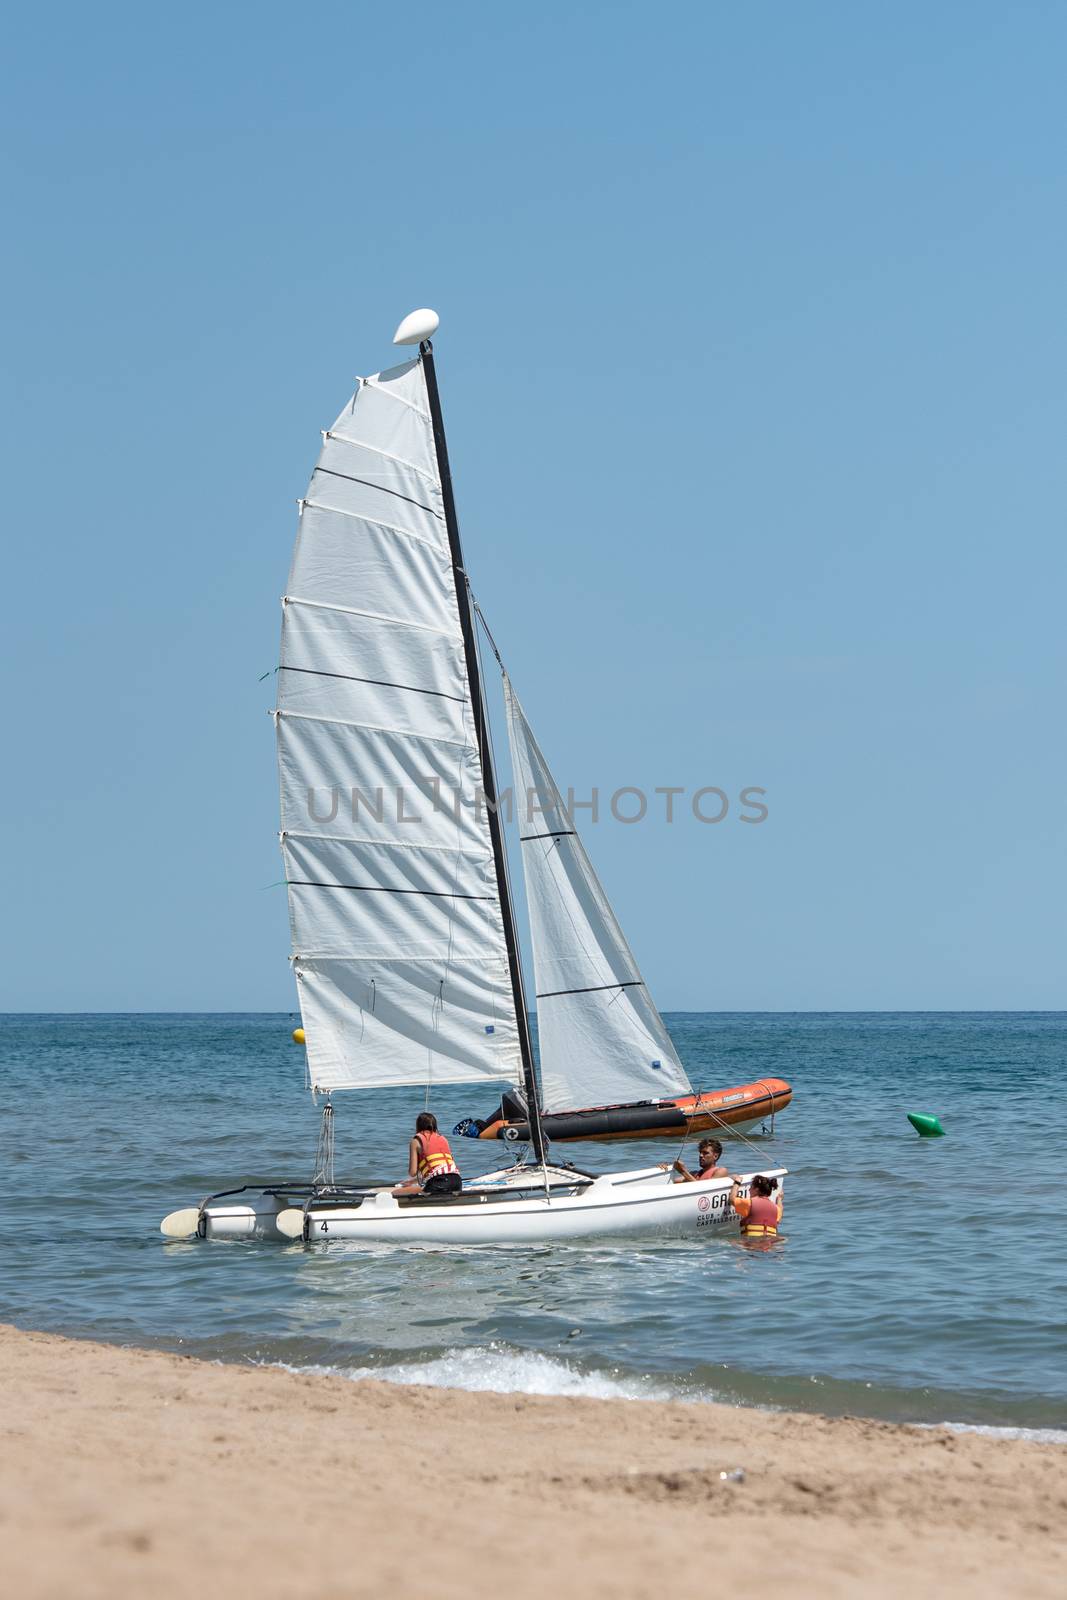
(398, 945)
(602, 1041)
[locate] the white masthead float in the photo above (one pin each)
(404, 943)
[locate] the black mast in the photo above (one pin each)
(474, 678)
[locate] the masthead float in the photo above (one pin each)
(404, 943)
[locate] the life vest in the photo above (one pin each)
(761, 1219)
(435, 1156)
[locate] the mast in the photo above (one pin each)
(470, 650)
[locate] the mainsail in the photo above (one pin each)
(398, 941)
(602, 1041)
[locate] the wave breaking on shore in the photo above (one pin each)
(498, 1368)
(501, 1369)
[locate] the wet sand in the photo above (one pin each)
(131, 1473)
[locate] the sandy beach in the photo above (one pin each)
(132, 1472)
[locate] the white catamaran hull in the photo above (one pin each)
(642, 1202)
(253, 1218)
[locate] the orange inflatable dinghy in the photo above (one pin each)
(740, 1109)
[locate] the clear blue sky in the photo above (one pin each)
(753, 355)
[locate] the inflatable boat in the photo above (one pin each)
(739, 1110)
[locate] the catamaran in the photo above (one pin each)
(404, 943)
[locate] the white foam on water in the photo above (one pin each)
(498, 1369)
(1033, 1435)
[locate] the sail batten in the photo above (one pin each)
(363, 444)
(602, 1040)
(373, 616)
(399, 952)
(370, 727)
(357, 516)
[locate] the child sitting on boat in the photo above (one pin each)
(709, 1151)
(431, 1165)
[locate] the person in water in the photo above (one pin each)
(709, 1151)
(431, 1166)
(760, 1212)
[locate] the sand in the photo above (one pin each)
(137, 1473)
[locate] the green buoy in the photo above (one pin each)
(926, 1126)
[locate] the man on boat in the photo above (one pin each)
(431, 1165)
(709, 1151)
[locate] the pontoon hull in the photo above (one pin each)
(252, 1218)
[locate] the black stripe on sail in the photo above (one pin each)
(595, 988)
(557, 833)
(383, 888)
(368, 483)
(381, 683)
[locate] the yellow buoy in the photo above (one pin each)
(298, 1036)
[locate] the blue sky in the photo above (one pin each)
(752, 354)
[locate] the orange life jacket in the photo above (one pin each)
(760, 1221)
(435, 1156)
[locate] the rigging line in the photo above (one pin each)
(535, 1076)
(705, 1111)
(588, 874)
(384, 888)
(436, 1007)
(480, 614)
(324, 1154)
(585, 868)
(515, 716)
(468, 627)
(381, 683)
(681, 1151)
(556, 833)
(594, 988)
(368, 484)
(489, 738)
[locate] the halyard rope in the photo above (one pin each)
(324, 1153)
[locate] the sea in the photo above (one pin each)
(917, 1280)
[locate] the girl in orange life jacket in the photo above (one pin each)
(760, 1214)
(431, 1167)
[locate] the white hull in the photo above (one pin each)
(251, 1218)
(492, 1212)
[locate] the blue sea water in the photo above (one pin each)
(919, 1280)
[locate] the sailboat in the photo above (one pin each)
(404, 943)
